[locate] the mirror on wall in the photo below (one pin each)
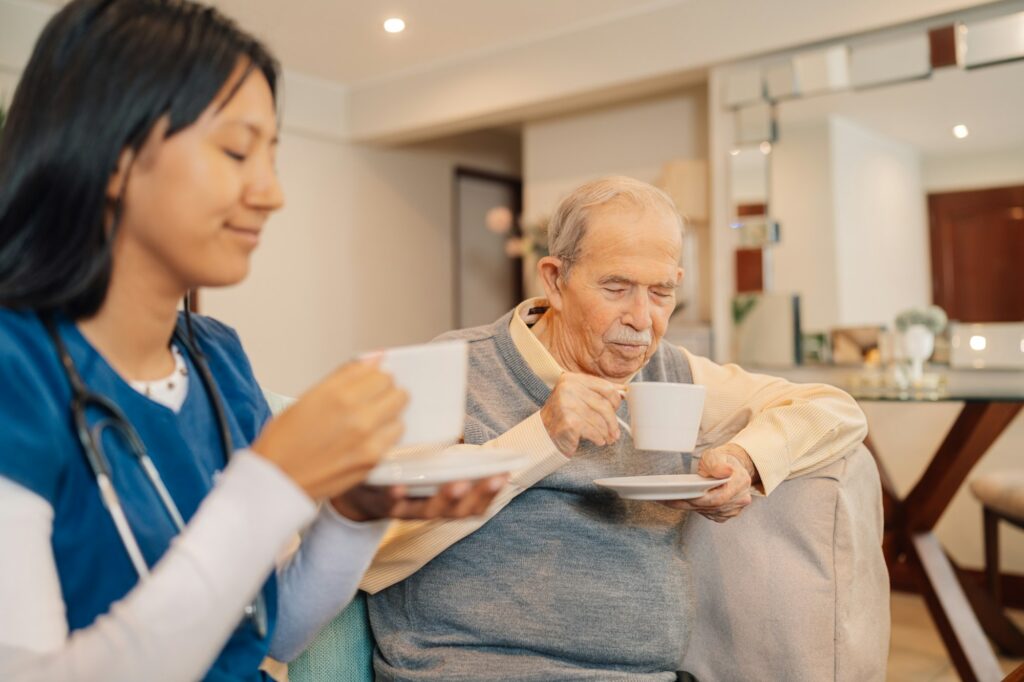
(893, 176)
(897, 197)
(749, 195)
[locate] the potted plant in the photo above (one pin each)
(917, 328)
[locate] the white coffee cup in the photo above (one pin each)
(665, 416)
(434, 375)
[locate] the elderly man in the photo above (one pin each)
(562, 580)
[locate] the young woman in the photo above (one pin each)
(144, 491)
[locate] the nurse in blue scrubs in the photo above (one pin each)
(145, 494)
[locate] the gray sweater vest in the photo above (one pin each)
(568, 582)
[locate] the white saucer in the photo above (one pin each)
(423, 474)
(666, 487)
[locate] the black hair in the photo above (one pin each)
(102, 75)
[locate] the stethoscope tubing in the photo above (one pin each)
(89, 438)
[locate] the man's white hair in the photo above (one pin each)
(568, 225)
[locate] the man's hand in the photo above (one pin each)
(729, 499)
(582, 407)
(455, 500)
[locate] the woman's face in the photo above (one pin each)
(196, 202)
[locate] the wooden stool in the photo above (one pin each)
(1002, 499)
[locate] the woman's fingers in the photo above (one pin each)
(455, 500)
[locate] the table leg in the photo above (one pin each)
(962, 634)
(912, 519)
(993, 619)
(975, 429)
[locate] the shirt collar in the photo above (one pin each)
(536, 354)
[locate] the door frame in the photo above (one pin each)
(513, 183)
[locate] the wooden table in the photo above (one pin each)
(963, 612)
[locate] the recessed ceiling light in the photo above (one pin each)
(766, 147)
(735, 152)
(978, 342)
(394, 25)
(960, 131)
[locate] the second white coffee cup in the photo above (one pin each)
(665, 416)
(434, 375)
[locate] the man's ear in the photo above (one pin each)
(549, 268)
(680, 273)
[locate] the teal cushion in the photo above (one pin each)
(342, 652)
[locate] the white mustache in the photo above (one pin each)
(632, 337)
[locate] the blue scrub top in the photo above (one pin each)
(39, 450)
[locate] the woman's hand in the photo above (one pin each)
(334, 434)
(455, 500)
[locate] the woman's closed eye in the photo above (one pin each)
(237, 156)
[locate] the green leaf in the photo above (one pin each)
(742, 304)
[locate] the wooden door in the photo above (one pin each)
(977, 245)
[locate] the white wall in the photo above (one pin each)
(804, 261)
(749, 181)
(881, 226)
(635, 139)
(404, 223)
(20, 23)
(999, 168)
(360, 258)
(853, 223)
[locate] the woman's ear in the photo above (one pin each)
(144, 156)
(115, 186)
(550, 270)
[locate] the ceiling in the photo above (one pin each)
(989, 101)
(344, 40)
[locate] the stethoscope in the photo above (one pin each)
(90, 439)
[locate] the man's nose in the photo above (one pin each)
(638, 314)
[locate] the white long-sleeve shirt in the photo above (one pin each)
(173, 625)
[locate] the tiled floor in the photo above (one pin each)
(917, 653)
